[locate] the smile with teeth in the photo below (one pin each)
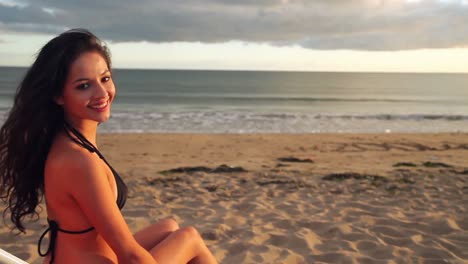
(100, 106)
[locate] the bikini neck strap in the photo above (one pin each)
(80, 139)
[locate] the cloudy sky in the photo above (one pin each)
(305, 35)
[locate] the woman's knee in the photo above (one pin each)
(191, 234)
(170, 224)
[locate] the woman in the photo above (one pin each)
(48, 147)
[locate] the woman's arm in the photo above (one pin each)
(90, 188)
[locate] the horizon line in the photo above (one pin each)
(266, 70)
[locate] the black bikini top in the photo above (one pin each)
(121, 194)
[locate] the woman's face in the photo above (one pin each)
(88, 91)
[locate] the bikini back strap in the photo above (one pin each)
(53, 229)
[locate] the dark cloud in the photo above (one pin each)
(321, 24)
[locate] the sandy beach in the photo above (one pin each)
(295, 198)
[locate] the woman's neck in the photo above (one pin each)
(87, 128)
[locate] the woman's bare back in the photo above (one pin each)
(87, 247)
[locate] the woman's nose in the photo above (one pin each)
(101, 90)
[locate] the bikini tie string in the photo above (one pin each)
(53, 229)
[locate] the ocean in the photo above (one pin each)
(193, 101)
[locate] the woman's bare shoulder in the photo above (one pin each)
(67, 157)
(67, 168)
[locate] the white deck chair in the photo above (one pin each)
(8, 258)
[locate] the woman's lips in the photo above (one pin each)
(100, 107)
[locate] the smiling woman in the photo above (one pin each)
(48, 149)
(88, 86)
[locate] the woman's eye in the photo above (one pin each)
(105, 79)
(83, 86)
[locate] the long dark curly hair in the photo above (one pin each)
(34, 120)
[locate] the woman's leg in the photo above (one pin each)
(182, 246)
(150, 236)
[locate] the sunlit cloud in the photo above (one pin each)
(323, 24)
(328, 35)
